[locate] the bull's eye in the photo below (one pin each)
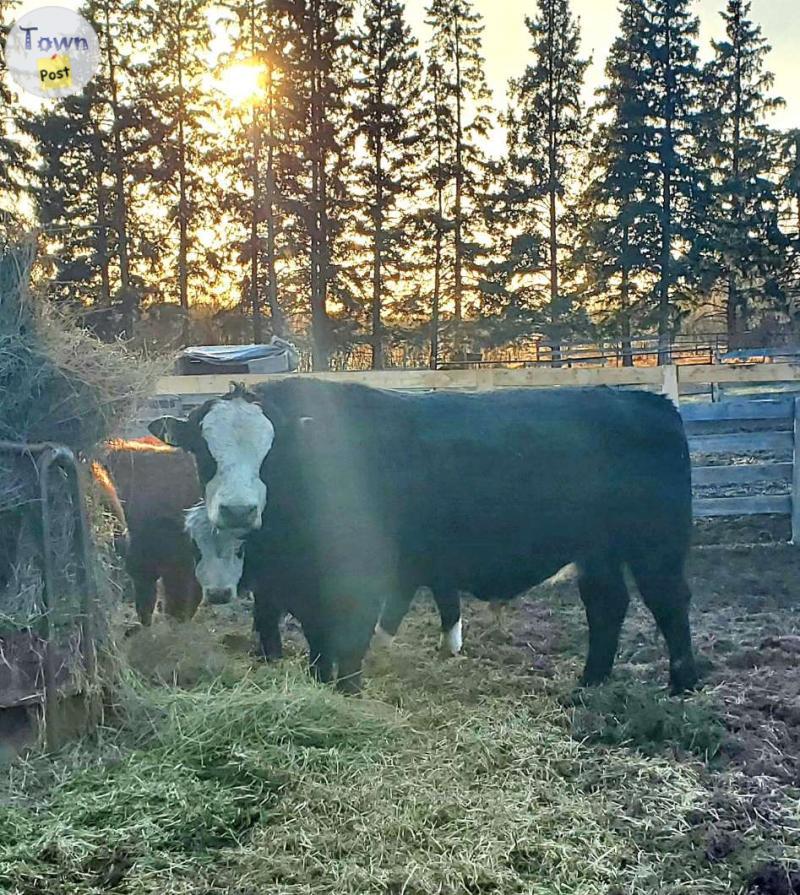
(196, 552)
(240, 551)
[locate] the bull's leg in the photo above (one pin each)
(182, 593)
(394, 611)
(352, 644)
(450, 614)
(666, 594)
(266, 623)
(605, 598)
(320, 656)
(144, 589)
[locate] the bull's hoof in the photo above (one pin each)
(683, 678)
(350, 685)
(593, 678)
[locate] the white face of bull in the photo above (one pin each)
(220, 557)
(238, 436)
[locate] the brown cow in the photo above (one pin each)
(148, 487)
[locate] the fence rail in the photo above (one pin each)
(765, 457)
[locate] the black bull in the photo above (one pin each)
(372, 494)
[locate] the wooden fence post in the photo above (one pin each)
(796, 475)
(669, 384)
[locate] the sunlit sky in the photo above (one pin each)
(506, 41)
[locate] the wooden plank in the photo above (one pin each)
(760, 504)
(737, 410)
(741, 442)
(544, 377)
(390, 379)
(741, 373)
(408, 380)
(743, 474)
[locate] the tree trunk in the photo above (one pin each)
(275, 310)
(735, 316)
(437, 261)
(255, 303)
(459, 172)
(552, 159)
(377, 220)
(319, 320)
(664, 316)
(625, 307)
(183, 200)
(129, 298)
(102, 220)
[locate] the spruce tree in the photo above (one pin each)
(745, 243)
(671, 92)
(455, 55)
(790, 182)
(174, 164)
(317, 189)
(546, 134)
(254, 151)
(618, 241)
(432, 225)
(386, 109)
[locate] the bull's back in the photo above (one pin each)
(480, 491)
(526, 483)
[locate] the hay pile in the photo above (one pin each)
(57, 382)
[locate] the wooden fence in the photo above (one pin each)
(745, 451)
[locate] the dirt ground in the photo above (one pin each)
(746, 730)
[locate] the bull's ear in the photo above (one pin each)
(172, 431)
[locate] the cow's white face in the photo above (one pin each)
(219, 557)
(238, 437)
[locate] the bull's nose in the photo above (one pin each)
(217, 596)
(238, 516)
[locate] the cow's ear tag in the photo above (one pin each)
(171, 430)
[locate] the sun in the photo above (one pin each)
(243, 83)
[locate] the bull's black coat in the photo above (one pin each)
(372, 494)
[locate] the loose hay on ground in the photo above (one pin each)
(471, 776)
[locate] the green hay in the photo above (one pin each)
(632, 714)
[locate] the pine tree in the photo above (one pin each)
(174, 164)
(72, 198)
(455, 57)
(386, 110)
(318, 67)
(547, 128)
(791, 180)
(89, 146)
(618, 241)
(431, 225)
(672, 94)
(746, 245)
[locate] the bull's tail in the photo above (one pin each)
(110, 499)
